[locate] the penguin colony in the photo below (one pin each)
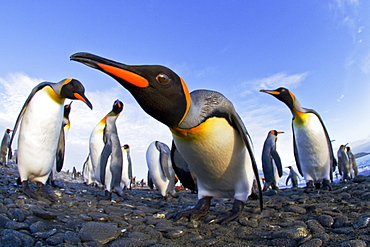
(211, 154)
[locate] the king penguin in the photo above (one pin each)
(206, 129)
(271, 163)
(312, 146)
(5, 147)
(293, 177)
(106, 153)
(66, 124)
(40, 122)
(126, 178)
(352, 162)
(160, 171)
(343, 163)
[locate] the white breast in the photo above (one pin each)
(218, 157)
(313, 150)
(38, 137)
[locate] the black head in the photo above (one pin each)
(117, 107)
(283, 95)
(159, 91)
(73, 89)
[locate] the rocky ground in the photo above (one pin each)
(290, 217)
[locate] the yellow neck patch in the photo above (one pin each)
(209, 127)
(300, 118)
(54, 96)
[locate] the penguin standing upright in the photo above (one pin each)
(271, 163)
(312, 146)
(160, 171)
(40, 123)
(207, 131)
(352, 162)
(293, 177)
(343, 163)
(66, 124)
(126, 178)
(5, 147)
(106, 153)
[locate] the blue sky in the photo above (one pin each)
(320, 50)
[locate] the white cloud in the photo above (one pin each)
(281, 79)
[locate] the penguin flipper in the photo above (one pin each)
(164, 154)
(60, 151)
(107, 150)
(296, 155)
(21, 113)
(277, 160)
(333, 161)
(150, 181)
(182, 169)
(287, 180)
(237, 123)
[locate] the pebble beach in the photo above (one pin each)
(291, 217)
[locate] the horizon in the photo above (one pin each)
(318, 50)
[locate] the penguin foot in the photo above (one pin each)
(309, 187)
(107, 196)
(28, 192)
(326, 185)
(42, 192)
(200, 210)
(235, 212)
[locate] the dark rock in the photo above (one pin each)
(71, 237)
(55, 239)
(98, 231)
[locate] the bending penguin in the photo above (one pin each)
(5, 147)
(106, 153)
(293, 177)
(160, 171)
(40, 128)
(207, 131)
(271, 163)
(312, 146)
(126, 168)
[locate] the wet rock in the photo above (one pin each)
(71, 238)
(325, 220)
(55, 239)
(361, 221)
(100, 232)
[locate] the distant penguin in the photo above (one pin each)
(271, 163)
(312, 146)
(207, 131)
(74, 173)
(352, 162)
(87, 171)
(5, 147)
(161, 173)
(66, 124)
(293, 177)
(40, 123)
(344, 166)
(106, 153)
(126, 178)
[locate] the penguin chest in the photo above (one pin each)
(96, 144)
(39, 134)
(312, 147)
(155, 168)
(216, 153)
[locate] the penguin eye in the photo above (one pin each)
(163, 79)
